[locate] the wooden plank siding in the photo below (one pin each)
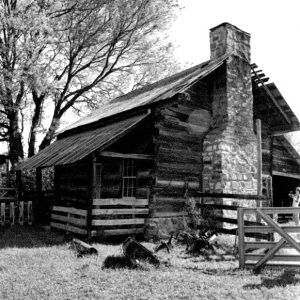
(69, 219)
(119, 216)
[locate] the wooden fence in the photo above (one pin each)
(224, 216)
(69, 219)
(12, 210)
(119, 216)
(256, 253)
(108, 217)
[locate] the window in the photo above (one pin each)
(129, 178)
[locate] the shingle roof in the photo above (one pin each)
(163, 89)
(78, 146)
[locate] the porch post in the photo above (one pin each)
(259, 157)
(92, 175)
(39, 205)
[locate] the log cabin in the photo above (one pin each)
(214, 129)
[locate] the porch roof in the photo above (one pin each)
(75, 147)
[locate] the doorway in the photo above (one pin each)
(282, 186)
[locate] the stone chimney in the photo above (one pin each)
(230, 147)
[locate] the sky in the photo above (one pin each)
(275, 39)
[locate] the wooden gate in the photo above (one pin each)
(12, 210)
(286, 238)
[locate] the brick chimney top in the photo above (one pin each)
(227, 38)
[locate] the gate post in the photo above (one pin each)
(241, 237)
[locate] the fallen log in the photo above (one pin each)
(136, 251)
(83, 248)
(165, 245)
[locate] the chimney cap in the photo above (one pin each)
(227, 24)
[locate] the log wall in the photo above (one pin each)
(282, 160)
(180, 129)
(72, 184)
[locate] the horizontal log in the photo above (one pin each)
(171, 192)
(127, 155)
(170, 199)
(68, 219)
(218, 206)
(180, 168)
(180, 136)
(232, 196)
(180, 152)
(168, 142)
(121, 211)
(286, 170)
(125, 231)
(68, 228)
(70, 210)
(121, 201)
(286, 174)
(112, 222)
(177, 184)
(181, 123)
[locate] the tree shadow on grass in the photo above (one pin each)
(287, 277)
(30, 237)
(221, 272)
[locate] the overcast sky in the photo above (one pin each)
(275, 38)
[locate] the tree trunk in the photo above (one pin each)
(15, 139)
(50, 133)
(38, 101)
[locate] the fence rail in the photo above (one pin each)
(119, 216)
(69, 219)
(256, 254)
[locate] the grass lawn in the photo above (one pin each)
(37, 264)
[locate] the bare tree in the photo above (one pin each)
(96, 44)
(20, 35)
(74, 54)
